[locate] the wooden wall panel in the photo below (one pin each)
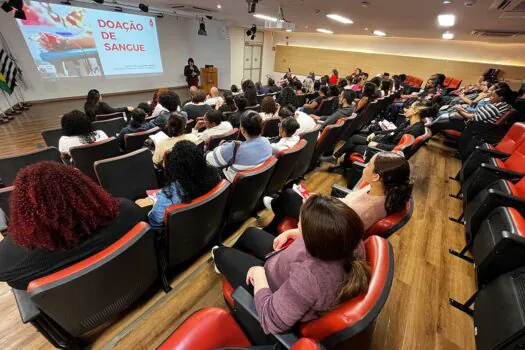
(302, 60)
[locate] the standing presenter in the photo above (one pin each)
(192, 73)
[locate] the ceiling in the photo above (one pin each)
(402, 18)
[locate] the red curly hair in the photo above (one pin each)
(55, 207)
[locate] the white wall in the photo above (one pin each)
(237, 55)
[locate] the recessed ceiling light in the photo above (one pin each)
(326, 31)
(446, 2)
(379, 33)
(339, 18)
(288, 30)
(267, 18)
(219, 6)
(446, 20)
(448, 36)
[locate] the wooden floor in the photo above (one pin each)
(416, 316)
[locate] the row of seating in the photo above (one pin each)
(493, 193)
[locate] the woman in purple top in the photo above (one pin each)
(324, 267)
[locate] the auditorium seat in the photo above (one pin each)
(77, 299)
(447, 81)
(305, 157)
(418, 143)
(328, 106)
(286, 162)
(100, 117)
(370, 112)
(247, 188)
(9, 166)
(454, 84)
(135, 141)
(326, 141)
(270, 127)
(455, 135)
(190, 227)
(51, 137)
(129, 175)
(5, 192)
(110, 126)
(85, 156)
(350, 318)
(256, 108)
(215, 140)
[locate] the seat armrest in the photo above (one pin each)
(502, 199)
(340, 191)
(493, 153)
(375, 150)
(28, 310)
(245, 300)
(359, 165)
(503, 173)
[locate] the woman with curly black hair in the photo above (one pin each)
(77, 130)
(288, 97)
(188, 176)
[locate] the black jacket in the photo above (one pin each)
(334, 117)
(388, 139)
(187, 72)
(103, 108)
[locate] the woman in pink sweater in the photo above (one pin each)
(323, 267)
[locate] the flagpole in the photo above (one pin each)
(13, 108)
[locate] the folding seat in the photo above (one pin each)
(84, 156)
(305, 158)
(51, 137)
(326, 141)
(447, 81)
(9, 166)
(301, 100)
(326, 107)
(286, 161)
(215, 140)
(270, 127)
(344, 321)
(418, 143)
(370, 112)
(256, 108)
(260, 98)
(214, 328)
(247, 188)
(114, 174)
(77, 299)
(135, 141)
(190, 227)
(454, 84)
(110, 126)
(110, 116)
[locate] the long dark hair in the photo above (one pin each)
(332, 231)
(90, 107)
(229, 102)
(186, 165)
(288, 96)
(394, 171)
(76, 123)
(138, 117)
(250, 92)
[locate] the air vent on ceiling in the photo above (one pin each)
(513, 14)
(501, 4)
(496, 33)
(190, 8)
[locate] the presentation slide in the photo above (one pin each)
(69, 41)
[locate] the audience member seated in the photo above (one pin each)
(287, 97)
(261, 90)
(235, 118)
(95, 106)
(59, 216)
(488, 113)
(235, 90)
(324, 267)
(214, 98)
(358, 84)
(272, 88)
(308, 83)
(145, 107)
(249, 92)
(188, 176)
(175, 131)
(386, 86)
(312, 106)
(368, 96)
(214, 124)
(298, 88)
(198, 108)
(386, 139)
(228, 103)
(346, 98)
(77, 130)
(268, 108)
(193, 92)
(155, 107)
(334, 78)
(388, 190)
(287, 129)
(239, 156)
(137, 123)
(306, 123)
(170, 103)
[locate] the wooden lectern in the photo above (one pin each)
(209, 78)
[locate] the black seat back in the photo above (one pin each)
(248, 187)
(327, 140)
(215, 140)
(51, 137)
(370, 113)
(300, 100)
(111, 126)
(327, 106)
(85, 156)
(99, 117)
(135, 141)
(4, 198)
(9, 166)
(286, 161)
(192, 226)
(114, 174)
(270, 127)
(305, 157)
(93, 291)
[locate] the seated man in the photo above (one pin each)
(193, 92)
(170, 103)
(345, 110)
(214, 126)
(198, 108)
(214, 98)
(288, 139)
(312, 106)
(236, 156)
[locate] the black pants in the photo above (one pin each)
(356, 143)
(450, 124)
(248, 251)
(288, 204)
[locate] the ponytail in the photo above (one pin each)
(394, 171)
(357, 277)
(397, 196)
(90, 107)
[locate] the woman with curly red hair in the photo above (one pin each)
(59, 216)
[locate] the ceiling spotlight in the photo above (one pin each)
(379, 33)
(289, 30)
(266, 18)
(470, 3)
(202, 28)
(365, 3)
(19, 14)
(143, 7)
(339, 18)
(446, 2)
(251, 32)
(448, 35)
(446, 20)
(219, 6)
(326, 31)
(100, 2)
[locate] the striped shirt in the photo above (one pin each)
(250, 154)
(491, 112)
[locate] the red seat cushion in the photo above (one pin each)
(227, 291)
(207, 329)
(453, 132)
(306, 344)
(383, 226)
(356, 157)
